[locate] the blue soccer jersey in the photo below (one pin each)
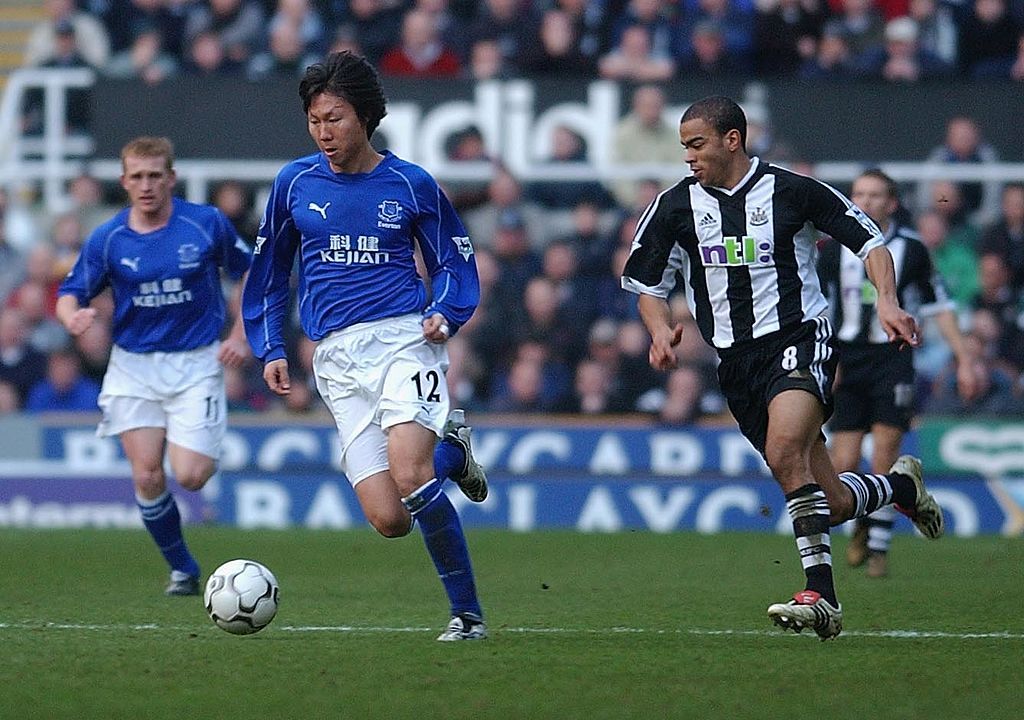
(166, 283)
(355, 235)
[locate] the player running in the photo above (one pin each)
(739, 233)
(875, 388)
(164, 387)
(355, 217)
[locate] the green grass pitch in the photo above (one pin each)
(630, 625)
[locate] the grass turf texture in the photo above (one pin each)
(582, 626)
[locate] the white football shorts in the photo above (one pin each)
(376, 375)
(182, 392)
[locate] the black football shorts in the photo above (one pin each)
(875, 385)
(799, 358)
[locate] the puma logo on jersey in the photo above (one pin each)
(322, 210)
(132, 263)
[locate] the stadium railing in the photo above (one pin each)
(56, 155)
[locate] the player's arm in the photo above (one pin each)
(87, 277)
(832, 212)
(651, 270)
(966, 379)
(898, 324)
(657, 318)
(235, 258)
(266, 289)
(936, 302)
(448, 256)
(234, 349)
(76, 320)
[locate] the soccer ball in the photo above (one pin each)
(241, 597)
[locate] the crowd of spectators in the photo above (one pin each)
(634, 40)
(554, 332)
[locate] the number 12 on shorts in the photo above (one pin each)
(427, 383)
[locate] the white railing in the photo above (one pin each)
(44, 158)
(56, 156)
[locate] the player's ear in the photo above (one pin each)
(733, 141)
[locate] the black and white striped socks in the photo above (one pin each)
(809, 512)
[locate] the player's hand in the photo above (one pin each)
(967, 381)
(81, 321)
(435, 328)
(899, 325)
(275, 373)
(662, 354)
(234, 353)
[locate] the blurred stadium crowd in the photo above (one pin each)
(637, 40)
(554, 332)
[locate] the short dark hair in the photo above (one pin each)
(350, 77)
(891, 188)
(721, 113)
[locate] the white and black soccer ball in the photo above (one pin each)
(241, 597)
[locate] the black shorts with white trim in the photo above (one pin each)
(753, 373)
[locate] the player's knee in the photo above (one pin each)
(785, 458)
(411, 477)
(194, 477)
(392, 525)
(149, 482)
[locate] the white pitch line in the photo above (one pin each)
(373, 629)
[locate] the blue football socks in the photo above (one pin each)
(442, 533)
(449, 459)
(163, 522)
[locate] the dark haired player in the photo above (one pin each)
(355, 217)
(740, 235)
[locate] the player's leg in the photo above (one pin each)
(453, 458)
(855, 494)
(780, 427)
(857, 378)
(887, 441)
(393, 504)
(794, 427)
(410, 454)
(134, 413)
(381, 503)
(364, 461)
(797, 371)
(845, 451)
(892, 404)
(794, 430)
(144, 448)
(407, 398)
(196, 424)
(191, 469)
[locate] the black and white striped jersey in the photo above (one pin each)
(851, 296)
(747, 255)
